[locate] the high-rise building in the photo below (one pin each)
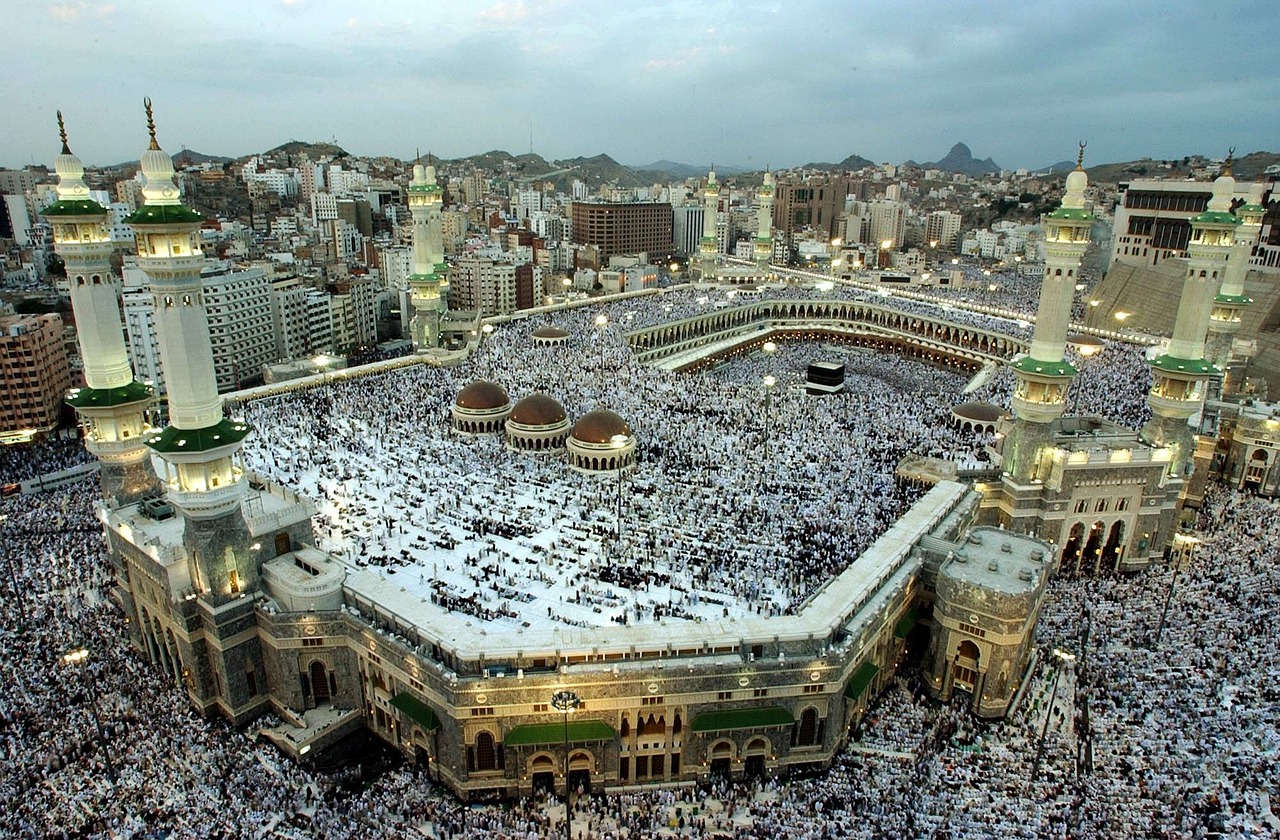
(624, 228)
(686, 229)
(486, 286)
(942, 227)
(34, 372)
(888, 222)
(814, 204)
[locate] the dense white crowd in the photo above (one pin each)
(1132, 739)
(1183, 735)
(724, 496)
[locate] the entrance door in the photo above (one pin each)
(720, 767)
(319, 682)
(544, 781)
(580, 778)
(754, 766)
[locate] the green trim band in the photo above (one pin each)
(107, 397)
(223, 433)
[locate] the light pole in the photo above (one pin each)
(78, 659)
(1184, 549)
(769, 381)
(18, 594)
(619, 442)
(1063, 657)
(566, 701)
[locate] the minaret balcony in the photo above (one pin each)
(209, 502)
(121, 450)
(1173, 407)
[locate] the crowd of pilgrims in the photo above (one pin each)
(1140, 736)
(724, 496)
(1180, 728)
(22, 461)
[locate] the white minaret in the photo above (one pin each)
(112, 407)
(763, 247)
(709, 244)
(428, 282)
(200, 448)
(1044, 375)
(1179, 375)
(1231, 301)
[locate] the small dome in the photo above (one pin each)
(550, 332)
(980, 412)
(538, 410)
(483, 396)
(600, 427)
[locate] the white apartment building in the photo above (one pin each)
(943, 227)
(686, 229)
(324, 209)
(483, 285)
(887, 221)
(354, 314)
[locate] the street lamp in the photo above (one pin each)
(769, 381)
(18, 594)
(618, 442)
(566, 701)
(1063, 658)
(1184, 548)
(487, 329)
(78, 659)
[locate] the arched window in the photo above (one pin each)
(808, 733)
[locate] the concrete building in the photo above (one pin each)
(813, 204)
(624, 228)
(942, 227)
(484, 285)
(34, 372)
(1153, 217)
(686, 229)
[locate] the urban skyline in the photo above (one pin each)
(740, 85)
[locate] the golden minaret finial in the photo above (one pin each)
(151, 124)
(62, 132)
(1226, 164)
(1080, 157)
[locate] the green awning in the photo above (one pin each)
(860, 680)
(554, 733)
(909, 619)
(742, 719)
(417, 711)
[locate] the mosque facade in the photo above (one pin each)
(223, 589)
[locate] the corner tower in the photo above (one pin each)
(709, 244)
(428, 282)
(1179, 375)
(763, 246)
(200, 448)
(1044, 375)
(112, 407)
(1231, 301)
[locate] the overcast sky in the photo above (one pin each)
(739, 83)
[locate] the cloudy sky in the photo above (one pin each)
(739, 83)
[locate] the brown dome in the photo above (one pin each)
(600, 427)
(538, 410)
(550, 332)
(978, 411)
(483, 396)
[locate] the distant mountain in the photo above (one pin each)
(688, 170)
(852, 163)
(314, 151)
(1060, 166)
(961, 160)
(190, 157)
(603, 169)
